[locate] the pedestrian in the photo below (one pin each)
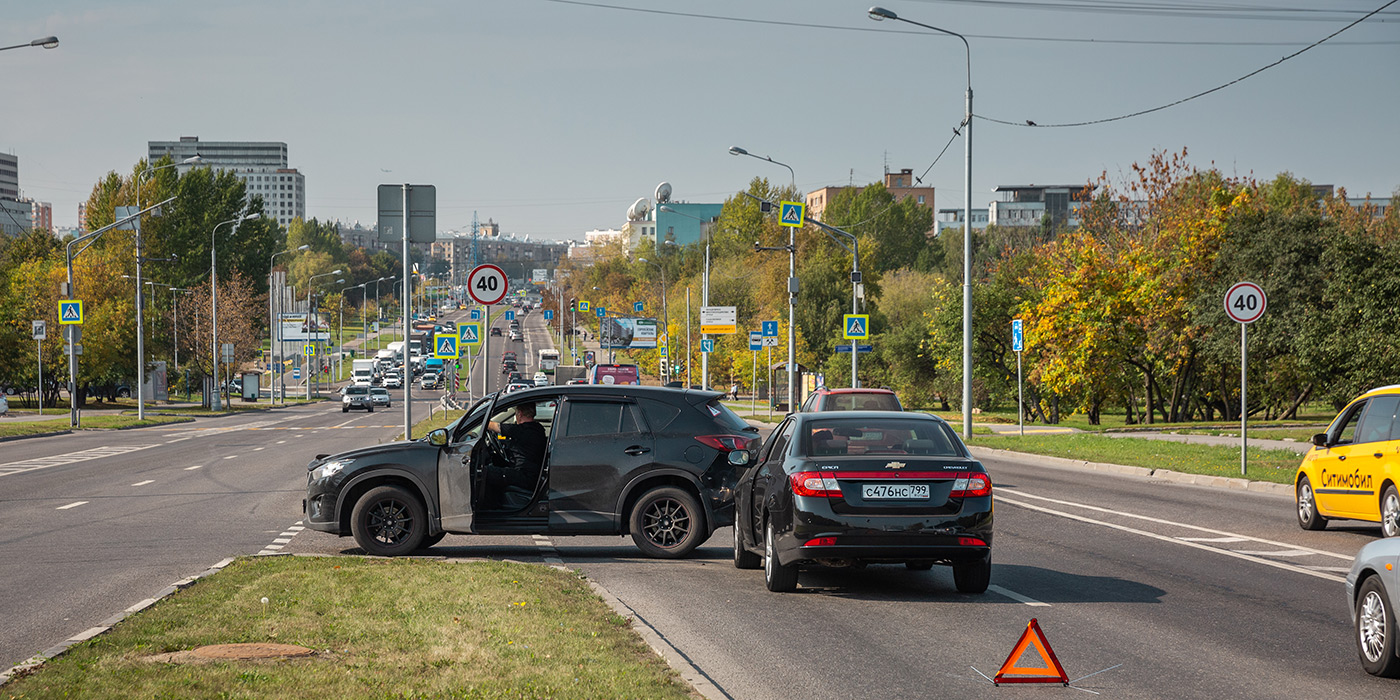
(734, 391)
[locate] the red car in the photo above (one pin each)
(825, 399)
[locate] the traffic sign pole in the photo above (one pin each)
(407, 326)
(1018, 344)
(1245, 303)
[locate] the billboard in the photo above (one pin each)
(628, 333)
(539, 276)
(297, 327)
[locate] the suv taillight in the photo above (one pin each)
(971, 485)
(815, 484)
(726, 443)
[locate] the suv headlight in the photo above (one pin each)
(330, 469)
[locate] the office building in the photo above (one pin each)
(262, 165)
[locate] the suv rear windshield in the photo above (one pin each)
(855, 437)
(861, 402)
(726, 417)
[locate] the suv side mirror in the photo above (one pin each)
(1320, 439)
(738, 458)
(438, 437)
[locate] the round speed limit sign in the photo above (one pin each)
(1245, 302)
(487, 284)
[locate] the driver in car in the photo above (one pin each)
(525, 446)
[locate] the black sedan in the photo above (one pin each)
(658, 464)
(852, 488)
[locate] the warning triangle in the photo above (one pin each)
(1052, 672)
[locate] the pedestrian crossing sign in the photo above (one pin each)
(470, 333)
(70, 311)
(445, 346)
(309, 350)
(792, 214)
(856, 326)
(583, 306)
(664, 351)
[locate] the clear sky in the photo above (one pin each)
(553, 117)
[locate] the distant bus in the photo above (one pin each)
(549, 358)
(614, 374)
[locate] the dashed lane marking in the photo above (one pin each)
(231, 457)
(282, 540)
(1220, 540)
(259, 449)
(69, 458)
(143, 483)
(1017, 596)
(190, 469)
(74, 504)
(1274, 553)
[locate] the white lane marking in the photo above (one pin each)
(1166, 538)
(143, 483)
(69, 458)
(282, 540)
(1173, 523)
(295, 528)
(74, 504)
(1017, 597)
(1274, 553)
(190, 469)
(203, 432)
(273, 546)
(1221, 540)
(171, 442)
(259, 449)
(231, 457)
(281, 442)
(1338, 569)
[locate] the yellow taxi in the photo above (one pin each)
(1353, 469)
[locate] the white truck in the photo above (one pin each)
(396, 347)
(362, 372)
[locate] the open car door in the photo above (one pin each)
(459, 465)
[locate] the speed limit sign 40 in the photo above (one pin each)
(487, 284)
(1245, 302)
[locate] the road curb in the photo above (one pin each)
(1219, 482)
(58, 649)
(8, 438)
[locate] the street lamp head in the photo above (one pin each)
(641, 260)
(48, 42)
(195, 159)
(736, 151)
(880, 14)
(666, 209)
(337, 272)
(304, 247)
(247, 217)
(340, 281)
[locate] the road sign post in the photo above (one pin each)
(39, 331)
(1244, 304)
(855, 327)
(1018, 344)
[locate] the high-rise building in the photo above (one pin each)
(262, 165)
(15, 215)
(9, 176)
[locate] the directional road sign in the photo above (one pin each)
(637, 307)
(856, 326)
(487, 284)
(39, 330)
(583, 306)
(770, 329)
(510, 315)
(718, 320)
(445, 346)
(755, 340)
(470, 333)
(1245, 302)
(549, 314)
(1017, 338)
(70, 311)
(792, 214)
(476, 314)
(707, 345)
(601, 312)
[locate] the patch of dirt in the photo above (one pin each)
(253, 651)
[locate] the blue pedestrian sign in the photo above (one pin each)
(70, 312)
(476, 314)
(664, 351)
(1017, 339)
(510, 315)
(637, 307)
(602, 312)
(707, 345)
(583, 306)
(445, 346)
(470, 333)
(549, 314)
(792, 214)
(856, 326)
(755, 340)
(770, 329)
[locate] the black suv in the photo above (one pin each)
(658, 464)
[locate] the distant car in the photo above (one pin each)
(517, 336)
(541, 379)
(356, 398)
(393, 381)
(428, 381)
(379, 396)
(517, 386)
(576, 381)
(516, 378)
(824, 399)
(847, 489)
(495, 332)
(1373, 596)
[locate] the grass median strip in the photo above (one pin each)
(379, 628)
(1277, 466)
(41, 427)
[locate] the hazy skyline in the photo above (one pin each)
(553, 117)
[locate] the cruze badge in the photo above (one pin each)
(895, 465)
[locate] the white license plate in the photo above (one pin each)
(893, 491)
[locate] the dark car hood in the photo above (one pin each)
(399, 450)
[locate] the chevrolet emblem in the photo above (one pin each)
(895, 465)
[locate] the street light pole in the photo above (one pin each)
(792, 285)
(274, 328)
(214, 298)
(880, 13)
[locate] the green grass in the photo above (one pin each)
(1277, 466)
(1298, 434)
(396, 628)
(1111, 419)
(99, 422)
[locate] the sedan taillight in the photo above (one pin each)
(815, 484)
(972, 485)
(726, 443)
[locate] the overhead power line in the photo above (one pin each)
(1172, 9)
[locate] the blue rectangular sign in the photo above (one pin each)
(1017, 339)
(549, 314)
(707, 345)
(476, 314)
(770, 329)
(602, 312)
(755, 340)
(637, 307)
(859, 348)
(510, 315)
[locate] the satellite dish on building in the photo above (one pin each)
(663, 193)
(639, 209)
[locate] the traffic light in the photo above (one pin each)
(663, 368)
